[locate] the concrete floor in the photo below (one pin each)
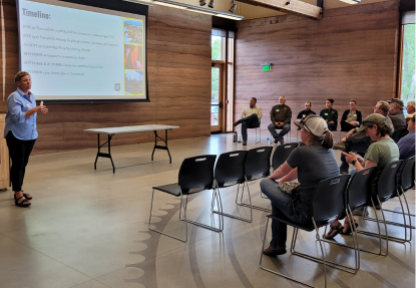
(88, 228)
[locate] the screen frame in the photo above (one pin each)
(115, 5)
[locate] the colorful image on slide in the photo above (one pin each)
(133, 56)
(133, 82)
(133, 31)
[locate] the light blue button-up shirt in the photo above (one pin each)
(17, 104)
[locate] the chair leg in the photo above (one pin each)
(408, 214)
(356, 246)
(160, 232)
(249, 205)
(236, 217)
(403, 212)
(351, 270)
(283, 275)
(380, 237)
(212, 228)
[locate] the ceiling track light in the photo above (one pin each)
(179, 5)
(233, 6)
(211, 4)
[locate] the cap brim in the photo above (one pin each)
(362, 128)
(297, 123)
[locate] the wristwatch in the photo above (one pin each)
(353, 162)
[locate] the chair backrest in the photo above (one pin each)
(359, 188)
(257, 164)
(387, 184)
(197, 172)
(407, 175)
(329, 200)
(229, 169)
(281, 153)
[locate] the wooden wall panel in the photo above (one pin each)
(350, 54)
(179, 83)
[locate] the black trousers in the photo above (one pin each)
(19, 151)
(251, 121)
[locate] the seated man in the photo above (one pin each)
(281, 114)
(351, 118)
(330, 115)
(307, 111)
(250, 118)
(302, 114)
(359, 141)
(396, 114)
(407, 143)
(410, 108)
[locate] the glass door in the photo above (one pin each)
(217, 97)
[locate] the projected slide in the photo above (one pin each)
(74, 54)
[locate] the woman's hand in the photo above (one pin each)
(42, 108)
(349, 157)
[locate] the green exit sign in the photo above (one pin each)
(267, 67)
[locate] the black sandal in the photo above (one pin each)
(334, 231)
(23, 203)
(26, 196)
(349, 230)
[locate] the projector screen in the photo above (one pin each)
(82, 53)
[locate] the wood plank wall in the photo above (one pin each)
(350, 54)
(179, 79)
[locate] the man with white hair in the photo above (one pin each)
(410, 108)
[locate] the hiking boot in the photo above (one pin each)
(340, 146)
(272, 252)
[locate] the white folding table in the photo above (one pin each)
(111, 131)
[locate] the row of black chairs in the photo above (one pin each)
(340, 196)
(207, 172)
(334, 198)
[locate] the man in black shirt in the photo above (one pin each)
(330, 115)
(302, 114)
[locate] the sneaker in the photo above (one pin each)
(244, 143)
(282, 141)
(339, 145)
(272, 252)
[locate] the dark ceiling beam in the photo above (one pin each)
(289, 6)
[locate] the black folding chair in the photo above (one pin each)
(256, 167)
(358, 197)
(281, 153)
(332, 191)
(406, 178)
(386, 189)
(195, 175)
(229, 171)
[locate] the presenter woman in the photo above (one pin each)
(20, 133)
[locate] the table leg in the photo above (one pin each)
(161, 147)
(105, 155)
